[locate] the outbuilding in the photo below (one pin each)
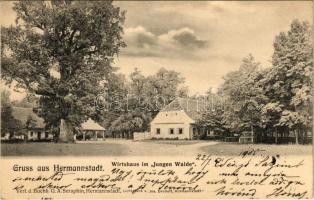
(91, 130)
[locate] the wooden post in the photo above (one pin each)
(84, 135)
(103, 135)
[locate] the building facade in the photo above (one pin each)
(39, 134)
(178, 120)
(34, 126)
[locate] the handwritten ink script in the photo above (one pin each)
(252, 174)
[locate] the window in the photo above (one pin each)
(180, 130)
(171, 131)
(46, 134)
(31, 134)
(157, 130)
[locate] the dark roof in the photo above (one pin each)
(192, 107)
(22, 114)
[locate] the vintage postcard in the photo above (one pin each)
(156, 100)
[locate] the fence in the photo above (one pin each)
(142, 136)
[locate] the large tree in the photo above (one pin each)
(145, 97)
(150, 94)
(244, 98)
(125, 125)
(162, 88)
(62, 50)
(276, 100)
(289, 83)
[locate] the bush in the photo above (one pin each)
(200, 137)
(203, 137)
(13, 140)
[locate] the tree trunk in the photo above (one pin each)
(66, 132)
(276, 137)
(302, 136)
(252, 134)
(296, 136)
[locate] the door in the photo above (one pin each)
(38, 135)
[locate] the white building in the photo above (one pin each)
(36, 130)
(177, 120)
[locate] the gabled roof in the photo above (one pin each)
(91, 125)
(192, 107)
(22, 114)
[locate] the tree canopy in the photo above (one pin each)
(288, 84)
(62, 50)
(145, 96)
(276, 99)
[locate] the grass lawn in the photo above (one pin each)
(147, 148)
(174, 142)
(231, 149)
(58, 149)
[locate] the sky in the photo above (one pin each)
(202, 40)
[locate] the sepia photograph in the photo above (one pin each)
(189, 87)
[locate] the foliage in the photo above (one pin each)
(62, 50)
(130, 122)
(30, 101)
(145, 97)
(275, 99)
(155, 91)
(243, 96)
(30, 122)
(8, 123)
(213, 118)
(288, 84)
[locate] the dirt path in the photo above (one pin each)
(156, 148)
